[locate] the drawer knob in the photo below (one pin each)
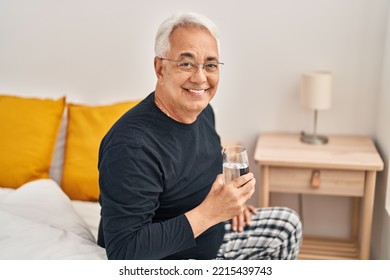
(315, 179)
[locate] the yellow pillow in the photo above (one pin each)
(87, 126)
(29, 128)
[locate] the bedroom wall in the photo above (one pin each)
(99, 52)
(381, 230)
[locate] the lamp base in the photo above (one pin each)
(314, 139)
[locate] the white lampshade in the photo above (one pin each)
(316, 90)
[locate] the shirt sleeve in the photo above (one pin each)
(130, 185)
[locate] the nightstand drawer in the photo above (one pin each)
(317, 181)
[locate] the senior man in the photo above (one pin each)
(161, 188)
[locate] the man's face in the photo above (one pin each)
(186, 94)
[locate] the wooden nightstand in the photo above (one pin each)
(346, 166)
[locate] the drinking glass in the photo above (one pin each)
(235, 162)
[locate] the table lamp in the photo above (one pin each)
(316, 94)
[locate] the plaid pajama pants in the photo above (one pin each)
(275, 234)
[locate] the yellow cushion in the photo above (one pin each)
(28, 128)
(87, 126)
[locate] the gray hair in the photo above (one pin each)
(162, 44)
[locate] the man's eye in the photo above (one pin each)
(211, 67)
(186, 65)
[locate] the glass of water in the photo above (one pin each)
(235, 162)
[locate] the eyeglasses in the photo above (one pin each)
(191, 66)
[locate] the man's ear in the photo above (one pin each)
(158, 67)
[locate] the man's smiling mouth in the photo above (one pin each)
(196, 91)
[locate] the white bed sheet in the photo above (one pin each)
(38, 221)
(90, 213)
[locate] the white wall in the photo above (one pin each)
(381, 230)
(101, 51)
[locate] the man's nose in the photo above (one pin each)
(200, 74)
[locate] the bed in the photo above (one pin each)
(48, 177)
(39, 221)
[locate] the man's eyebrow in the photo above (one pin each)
(187, 54)
(191, 55)
(211, 58)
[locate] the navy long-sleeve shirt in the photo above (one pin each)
(152, 171)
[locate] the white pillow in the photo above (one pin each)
(57, 162)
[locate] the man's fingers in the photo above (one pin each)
(242, 180)
(248, 217)
(234, 223)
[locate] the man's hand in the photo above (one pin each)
(223, 203)
(243, 219)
